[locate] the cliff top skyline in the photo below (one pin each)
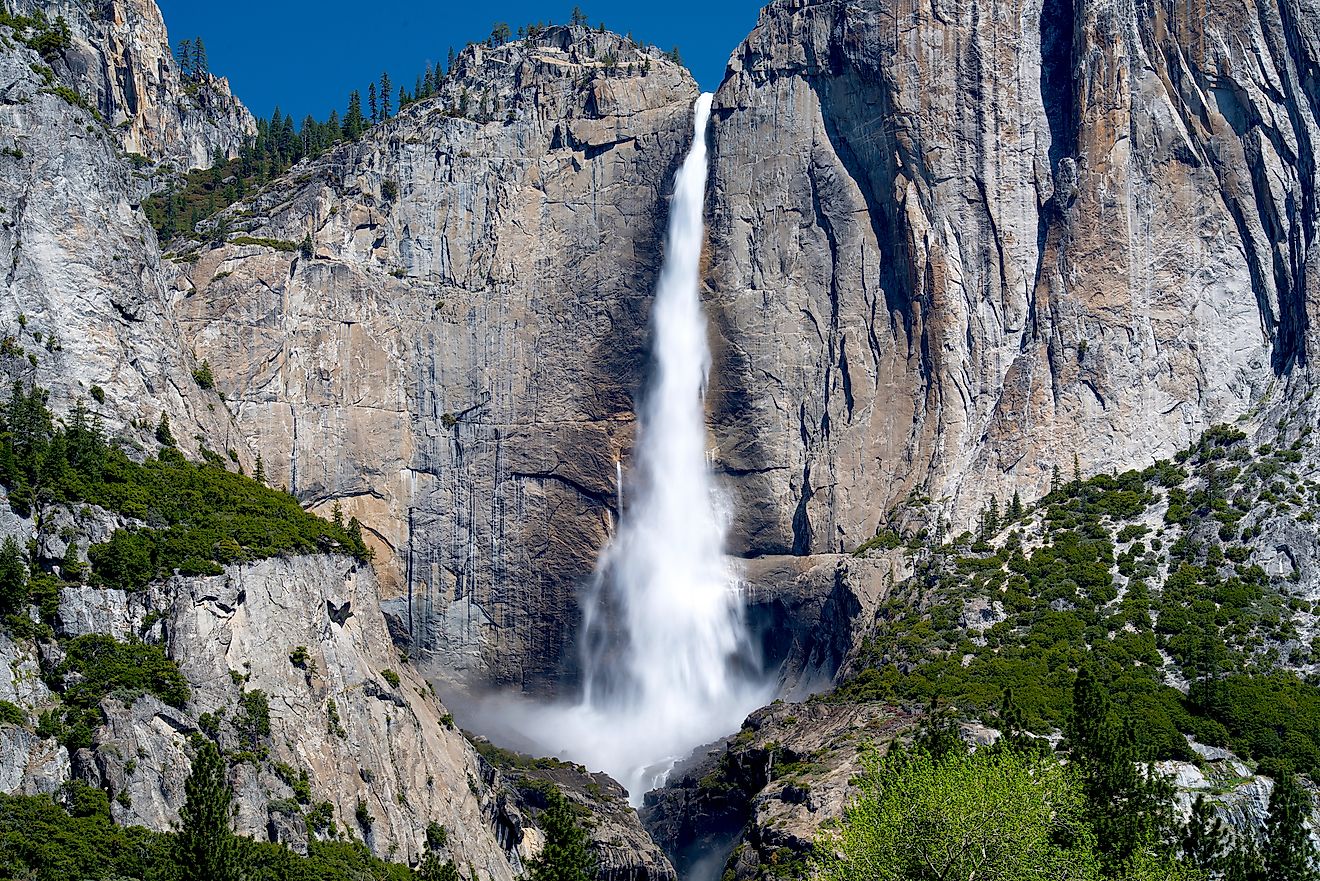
(333, 48)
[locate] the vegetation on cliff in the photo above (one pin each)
(194, 517)
(47, 840)
(1149, 578)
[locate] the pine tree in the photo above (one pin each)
(201, 68)
(354, 124)
(1204, 838)
(566, 855)
(1012, 723)
(449, 67)
(1077, 468)
(1289, 853)
(1127, 806)
(371, 103)
(991, 521)
(386, 110)
(205, 848)
(1244, 862)
(1015, 507)
(185, 57)
(259, 475)
(579, 17)
(13, 577)
(432, 869)
(499, 35)
(163, 433)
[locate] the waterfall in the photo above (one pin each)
(667, 661)
(666, 644)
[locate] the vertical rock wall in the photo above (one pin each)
(956, 244)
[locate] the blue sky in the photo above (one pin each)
(306, 55)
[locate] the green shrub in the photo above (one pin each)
(105, 665)
(437, 836)
(12, 714)
(42, 841)
(253, 720)
(391, 677)
(274, 244)
(203, 376)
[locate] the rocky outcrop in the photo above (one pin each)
(622, 848)
(954, 245)
(755, 804)
(122, 64)
(759, 797)
(455, 361)
(292, 669)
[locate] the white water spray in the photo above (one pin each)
(667, 661)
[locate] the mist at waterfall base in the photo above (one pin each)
(667, 660)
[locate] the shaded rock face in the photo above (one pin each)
(623, 849)
(83, 299)
(121, 62)
(952, 245)
(456, 362)
(758, 799)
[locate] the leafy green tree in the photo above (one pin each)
(988, 814)
(206, 849)
(1289, 853)
(566, 855)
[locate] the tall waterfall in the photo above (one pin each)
(667, 660)
(664, 631)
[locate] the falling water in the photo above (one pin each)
(662, 659)
(667, 661)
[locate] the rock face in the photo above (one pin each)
(122, 64)
(83, 301)
(623, 850)
(759, 798)
(456, 362)
(952, 245)
(343, 715)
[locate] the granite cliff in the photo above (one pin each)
(952, 247)
(454, 359)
